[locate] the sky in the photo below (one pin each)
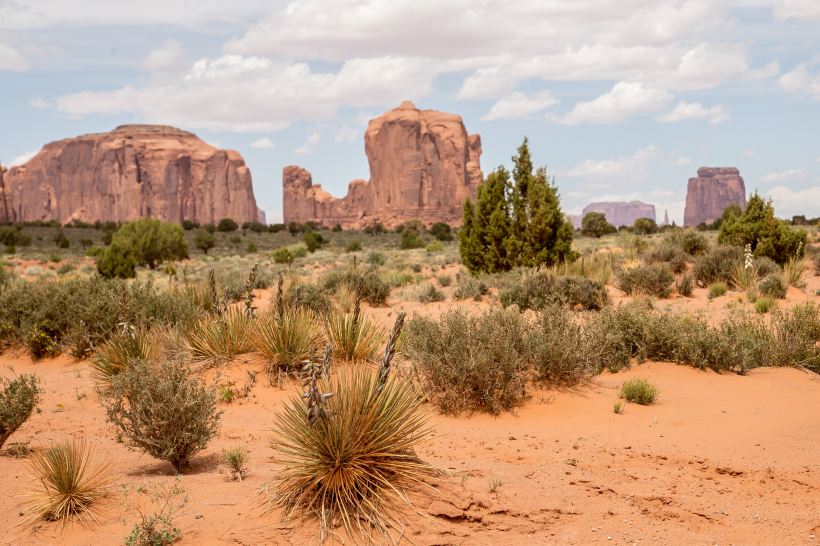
(620, 99)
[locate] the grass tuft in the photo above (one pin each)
(213, 342)
(285, 340)
(638, 390)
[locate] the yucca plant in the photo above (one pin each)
(793, 270)
(745, 276)
(285, 339)
(350, 460)
(211, 342)
(67, 482)
(113, 356)
(354, 337)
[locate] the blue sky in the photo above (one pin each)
(620, 99)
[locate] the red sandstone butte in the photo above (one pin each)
(423, 164)
(132, 172)
(713, 190)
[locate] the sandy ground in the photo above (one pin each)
(719, 459)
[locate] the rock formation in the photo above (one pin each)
(713, 190)
(423, 164)
(260, 215)
(132, 172)
(622, 214)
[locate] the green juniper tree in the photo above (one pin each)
(515, 222)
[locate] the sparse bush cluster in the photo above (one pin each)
(539, 289)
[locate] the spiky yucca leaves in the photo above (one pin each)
(113, 356)
(67, 481)
(353, 469)
(284, 339)
(212, 342)
(353, 340)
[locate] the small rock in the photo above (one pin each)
(198, 516)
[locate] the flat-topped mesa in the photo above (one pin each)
(713, 190)
(132, 172)
(620, 213)
(423, 164)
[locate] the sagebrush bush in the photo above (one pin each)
(472, 288)
(163, 410)
(773, 286)
(67, 481)
(717, 289)
(539, 289)
(429, 294)
(685, 285)
(717, 265)
(559, 348)
(654, 279)
(374, 290)
(311, 296)
(18, 400)
(468, 362)
(763, 305)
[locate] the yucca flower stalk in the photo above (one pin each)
(250, 310)
(389, 352)
(279, 299)
(67, 481)
(312, 373)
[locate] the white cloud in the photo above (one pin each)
(234, 93)
(518, 105)
(616, 173)
(799, 80)
(312, 141)
(263, 143)
(788, 203)
(686, 111)
(769, 71)
(616, 106)
(20, 159)
(807, 10)
(11, 59)
(681, 161)
(39, 103)
(791, 175)
(749, 152)
(169, 58)
(346, 134)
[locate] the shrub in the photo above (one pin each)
(717, 289)
(444, 280)
(374, 289)
(654, 279)
(365, 451)
(95, 252)
(717, 265)
(594, 224)
(255, 226)
(154, 508)
(468, 362)
(353, 246)
(251, 247)
(311, 296)
(430, 293)
(690, 240)
(214, 341)
(768, 235)
(163, 411)
(473, 288)
(18, 401)
(117, 262)
(67, 481)
(313, 241)
(189, 225)
(793, 270)
(337, 228)
(152, 241)
(410, 239)
(441, 231)
(773, 286)
(226, 225)
(235, 239)
(375, 258)
(763, 305)
(282, 255)
(639, 390)
(541, 288)
(54, 258)
(685, 285)
(210, 228)
(435, 246)
(559, 348)
(285, 339)
(645, 226)
(204, 241)
(235, 460)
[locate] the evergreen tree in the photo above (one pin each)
(515, 223)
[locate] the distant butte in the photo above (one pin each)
(423, 164)
(129, 173)
(710, 192)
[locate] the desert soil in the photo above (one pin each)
(718, 459)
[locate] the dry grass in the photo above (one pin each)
(67, 482)
(352, 470)
(793, 271)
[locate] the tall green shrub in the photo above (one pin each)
(152, 241)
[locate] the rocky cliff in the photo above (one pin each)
(132, 172)
(423, 164)
(622, 214)
(712, 191)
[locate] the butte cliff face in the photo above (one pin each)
(132, 172)
(423, 164)
(622, 214)
(713, 190)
